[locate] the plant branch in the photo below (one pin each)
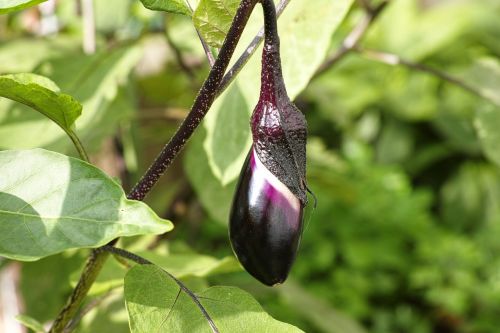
(395, 60)
(202, 103)
(353, 38)
(249, 51)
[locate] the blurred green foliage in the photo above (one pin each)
(404, 164)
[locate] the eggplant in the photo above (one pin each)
(266, 219)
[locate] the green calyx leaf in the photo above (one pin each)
(51, 202)
(7, 6)
(43, 95)
(156, 304)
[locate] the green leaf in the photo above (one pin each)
(7, 6)
(171, 6)
(485, 76)
(30, 323)
(41, 94)
(487, 123)
(154, 304)
(212, 18)
(305, 37)
(50, 203)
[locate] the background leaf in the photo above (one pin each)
(51, 202)
(151, 301)
(487, 124)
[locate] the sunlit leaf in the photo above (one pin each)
(50, 202)
(213, 18)
(155, 304)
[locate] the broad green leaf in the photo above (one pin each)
(487, 124)
(485, 76)
(93, 80)
(171, 6)
(305, 37)
(43, 95)
(50, 203)
(212, 18)
(7, 6)
(154, 304)
(31, 323)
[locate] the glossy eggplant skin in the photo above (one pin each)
(265, 223)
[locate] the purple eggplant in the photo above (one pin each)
(266, 218)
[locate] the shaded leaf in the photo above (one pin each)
(7, 6)
(155, 305)
(41, 94)
(50, 202)
(487, 124)
(171, 6)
